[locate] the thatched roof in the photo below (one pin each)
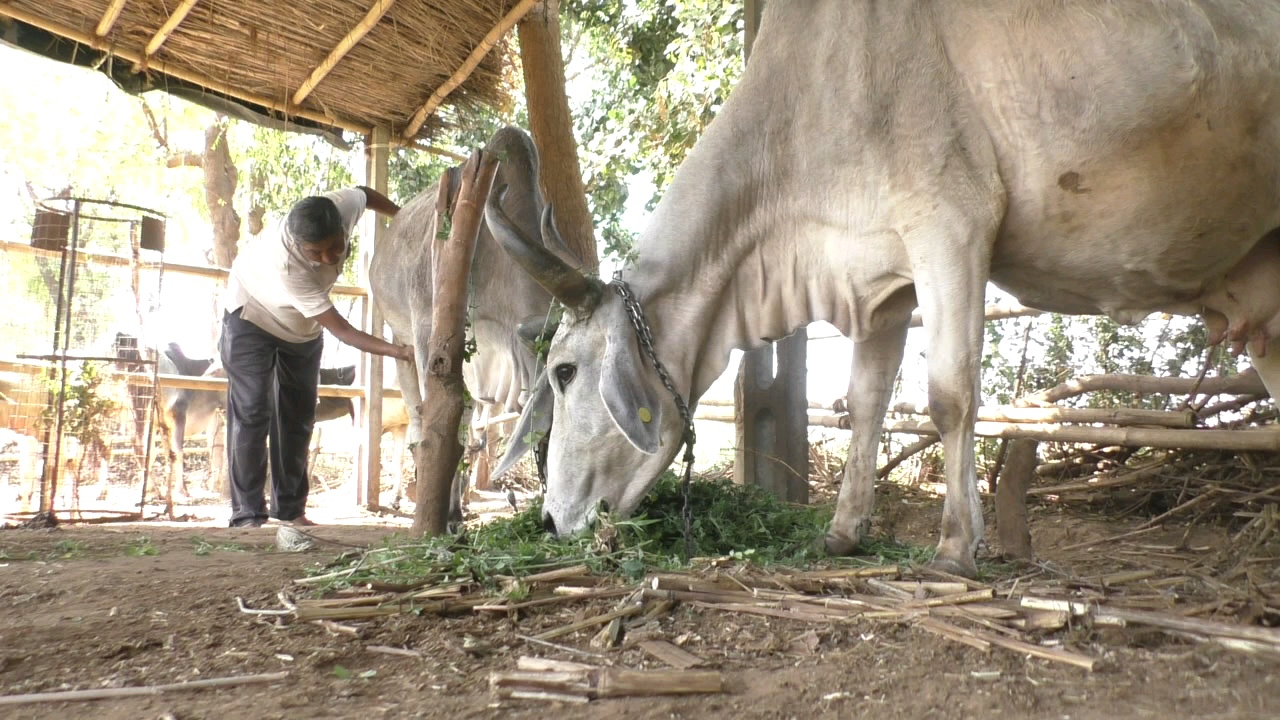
(285, 59)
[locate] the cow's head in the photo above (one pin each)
(616, 426)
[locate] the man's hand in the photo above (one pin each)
(404, 353)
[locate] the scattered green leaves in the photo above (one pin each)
(744, 522)
(67, 550)
(142, 547)
(204, 547)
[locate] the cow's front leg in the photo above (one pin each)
(951, 303)
(875, 365)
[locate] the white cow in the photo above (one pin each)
(1106, 157)
(502, 297)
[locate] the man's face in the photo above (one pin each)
(326, 252)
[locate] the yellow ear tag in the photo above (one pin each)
(644, 415)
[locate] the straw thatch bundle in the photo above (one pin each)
(268, 48)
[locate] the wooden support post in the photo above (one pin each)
(369, 491)
(772, 420)
(436, 456)
(1011, 499)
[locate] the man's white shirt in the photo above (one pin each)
(281, 291)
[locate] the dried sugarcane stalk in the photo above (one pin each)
(676, 657)
(629, 609)
(574, 682)
(305, 612)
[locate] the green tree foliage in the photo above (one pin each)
(659, 72)
(286, 167)
(411, 171)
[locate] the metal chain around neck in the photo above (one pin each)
(645, 336)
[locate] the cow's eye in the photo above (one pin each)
(564, 374)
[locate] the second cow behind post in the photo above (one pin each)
(502, 296)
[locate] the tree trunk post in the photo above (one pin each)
(436, 457)
(551, 125)
(1011, 499)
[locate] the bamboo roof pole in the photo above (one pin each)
(362, 28)
(179, 73)
(437, 151)
(175, 19)
(468, 66)
(109, 18)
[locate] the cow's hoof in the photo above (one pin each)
(837, 545)
(964, 567)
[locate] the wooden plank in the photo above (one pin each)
(468, 66)
(362, 28)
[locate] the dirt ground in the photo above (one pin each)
(149, 603)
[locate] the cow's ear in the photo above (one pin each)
(534, 425)
(630, 401)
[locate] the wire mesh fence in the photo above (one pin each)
(85, 428)
(79, 388)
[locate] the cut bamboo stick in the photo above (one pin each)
(108, 693)
(1040, 620)
(937, 588)
(540, 664)
(676, 657)
(306, 613)
(573, 682)
(557, 575)
(1211, 628)
(614, 682)
(1227, 440)
(560, 599)
(634, 609)
(953, 633)
(1126, 477)
(1110, 416)
(955, 598)
(1246, 383)
(1128, 576)
(1063, 656)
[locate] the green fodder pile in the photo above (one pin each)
(726, 520)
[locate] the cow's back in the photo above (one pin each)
(1143, 137)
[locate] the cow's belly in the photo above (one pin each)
(1145, 229)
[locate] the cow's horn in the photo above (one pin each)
(575, 290)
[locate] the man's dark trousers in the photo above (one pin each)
(271, 392)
